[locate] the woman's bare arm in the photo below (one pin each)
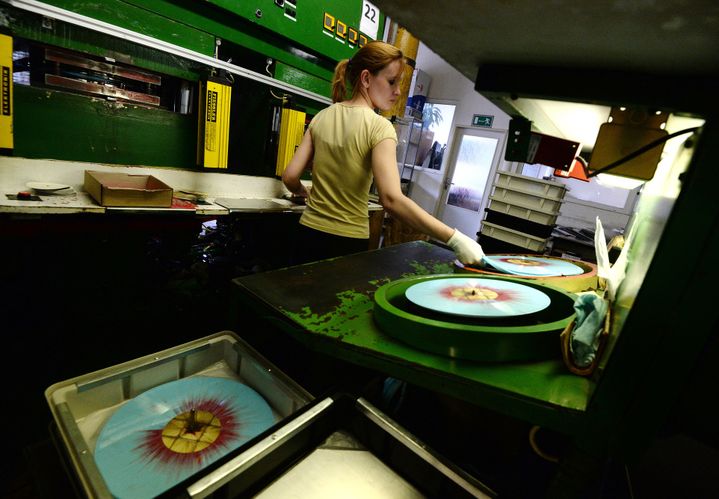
(391, 197)
(301, 160)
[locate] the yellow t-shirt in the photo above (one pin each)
(343, 137)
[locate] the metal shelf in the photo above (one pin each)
(408, 128)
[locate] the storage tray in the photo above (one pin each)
(492, 245)
(531, 185)
(526, 199)
(514, 237)
(524, 212)
(519, 224)
(81, 406)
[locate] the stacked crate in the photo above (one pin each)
(521, 214)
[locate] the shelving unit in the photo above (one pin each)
(521, 213)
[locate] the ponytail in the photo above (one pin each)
(339, 87)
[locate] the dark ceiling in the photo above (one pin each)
(658, 53)
(645, 36)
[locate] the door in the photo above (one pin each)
(476, 154)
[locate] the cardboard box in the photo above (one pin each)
(123, 189)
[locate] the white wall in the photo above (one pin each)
(449, 85)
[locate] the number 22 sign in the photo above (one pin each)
(369, 22)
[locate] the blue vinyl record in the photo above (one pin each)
(532, 266)
(477, 297)
(168, 433)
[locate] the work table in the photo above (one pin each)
(338, 321)
(220, 193)
(82, 202)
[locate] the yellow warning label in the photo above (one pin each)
(6, 104)
(211, 122)
(292, 128)
(214, 125)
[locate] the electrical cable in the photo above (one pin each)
(267, 70)
(229, 76)
(535, 447)
(639, 151)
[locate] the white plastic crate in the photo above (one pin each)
(526, 200)
(511, 236)
(82, 405)
(525, 213)
(531, 185)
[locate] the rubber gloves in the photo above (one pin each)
(468, 251)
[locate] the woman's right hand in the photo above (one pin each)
(468, 250)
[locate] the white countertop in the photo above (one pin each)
(222, 193)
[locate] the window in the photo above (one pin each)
(437, 119)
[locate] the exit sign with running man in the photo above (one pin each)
(482, 120)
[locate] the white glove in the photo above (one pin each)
(467, 250)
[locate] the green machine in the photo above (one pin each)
(121, 77)
(334, 30)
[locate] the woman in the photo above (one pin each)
(346, 145)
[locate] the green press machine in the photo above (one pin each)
(153, 54)
(663, 343)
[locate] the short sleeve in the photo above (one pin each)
(313, 121)
(382, 129)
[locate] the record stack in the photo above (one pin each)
(521, 214)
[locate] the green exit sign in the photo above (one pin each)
(482, 120)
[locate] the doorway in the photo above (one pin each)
(476, 154)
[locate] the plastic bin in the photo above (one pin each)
(520, 224)
(81, 406)
(531, 185)
(523, 212)
(492, 245)
(526, 199)
(514, 237)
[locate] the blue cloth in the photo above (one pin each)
(590, 310)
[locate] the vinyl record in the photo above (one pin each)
(46, 187)
(168, 433)
(477, 297)
(532, 265)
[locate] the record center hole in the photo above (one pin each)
(473, 293)
(191, 431)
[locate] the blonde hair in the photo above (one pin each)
(374, 57)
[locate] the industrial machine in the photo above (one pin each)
(125, 77)
(119, 82)
(659, 343)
